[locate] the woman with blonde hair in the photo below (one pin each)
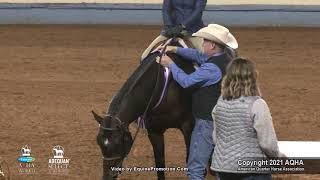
(243, 124)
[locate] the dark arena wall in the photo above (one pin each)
(235, 14)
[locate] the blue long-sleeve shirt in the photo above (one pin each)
(207, 73)
(186, 12)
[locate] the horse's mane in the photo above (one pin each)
(130, 83)
(137, 74)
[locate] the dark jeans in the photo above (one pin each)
(234, 176)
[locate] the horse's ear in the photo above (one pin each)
(97, 117)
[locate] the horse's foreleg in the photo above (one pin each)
(157, 141)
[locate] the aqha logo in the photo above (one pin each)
(26, 161)
(26, 155)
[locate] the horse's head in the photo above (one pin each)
(115, 141)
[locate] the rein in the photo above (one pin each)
(122, 129)
(155, 87)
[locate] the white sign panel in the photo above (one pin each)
(300, 148)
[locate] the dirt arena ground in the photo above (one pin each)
(53, 76)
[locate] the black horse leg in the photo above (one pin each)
(157, 141)
(186, 130)
(107, 173)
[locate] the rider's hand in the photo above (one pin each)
(176, 30)
(171, 32)
(168, 31)
(184, 33)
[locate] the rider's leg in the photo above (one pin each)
(196, 42)
(154, 42)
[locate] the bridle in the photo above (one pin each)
(123, 132)
(124, 152)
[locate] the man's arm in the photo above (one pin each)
(206, 72)
(192, 54)
(166, 13)
(197, 13)
(187, 53)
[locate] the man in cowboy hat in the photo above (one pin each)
(206, 79)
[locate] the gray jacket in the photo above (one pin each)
(243, 131)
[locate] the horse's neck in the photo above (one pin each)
(134, 102)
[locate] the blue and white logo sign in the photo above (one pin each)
(26, 161)
(26, 155)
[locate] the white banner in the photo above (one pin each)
(302, 149)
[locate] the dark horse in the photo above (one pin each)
(136, 97)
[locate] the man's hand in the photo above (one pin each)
(171, 49)
(165, 61)
(168, 49)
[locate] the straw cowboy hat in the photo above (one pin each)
(218, 34)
